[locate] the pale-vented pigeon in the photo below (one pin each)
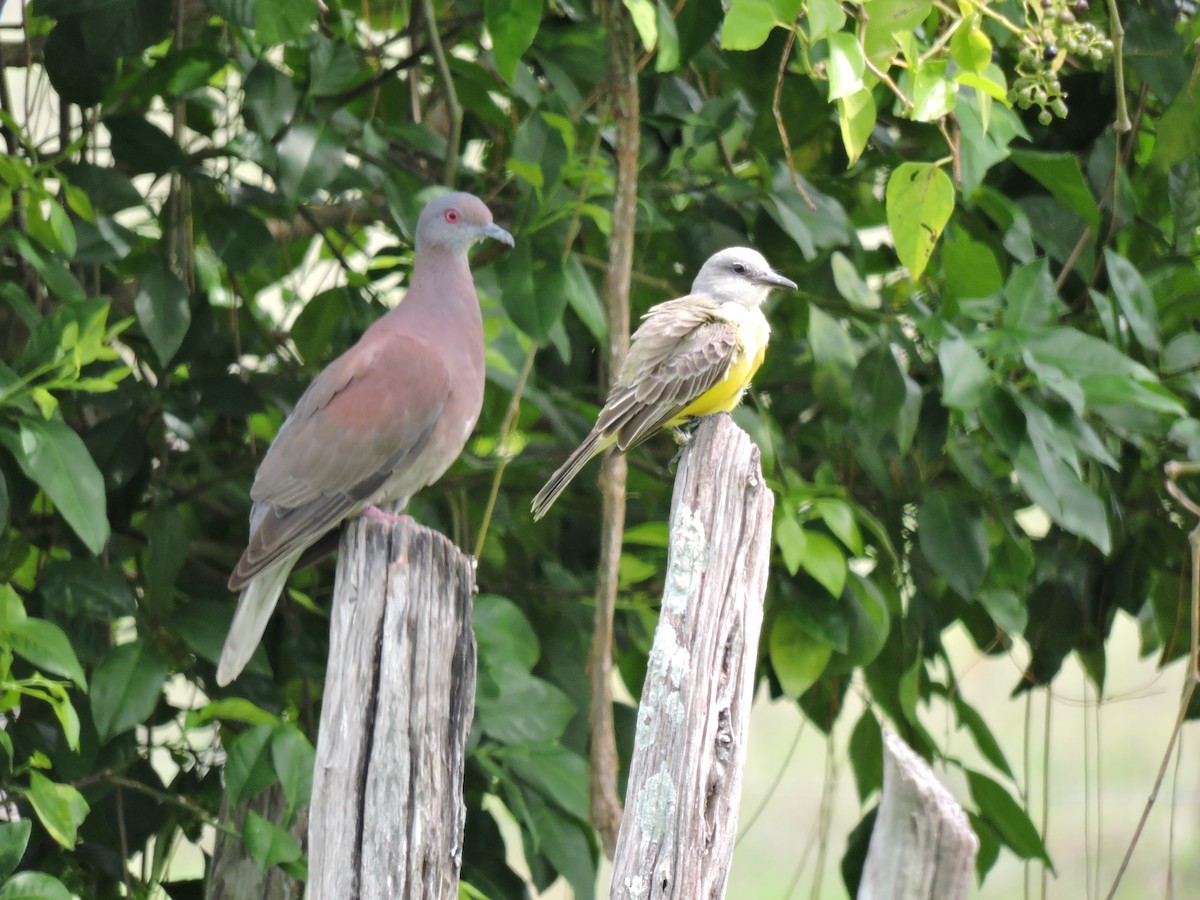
(690, 357)
(382, 421)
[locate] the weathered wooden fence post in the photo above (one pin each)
(922, 845)
(685, 779)
(387, 813)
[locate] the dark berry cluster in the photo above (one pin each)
(1057, 31)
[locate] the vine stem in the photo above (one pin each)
(506, 430)
(1117, 33)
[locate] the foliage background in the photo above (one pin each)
(965, 422)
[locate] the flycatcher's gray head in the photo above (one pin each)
(739, 275)
(456, 221)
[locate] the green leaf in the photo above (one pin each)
(845, 66)
(866, 755)
(506, 639)
(1134, 298)
(1080, 355)
(270, 100)
(890, 18)
(230, 709)
(934, 95)
(970, 47)
(851, 285)
(293, 758)
(966, 380)
(165, 555)
(34, 886)
(667, 59)
(856, 119)
(1071, 504)
(85, 587)
(645, 20)
(267, 843)
(748, 22)
(838, 516)
(1180, 356)
(797, 658)
(60, 808)
(515, 707)
(282, 21)
(869, 621)
(126, 687)
(1178, 134)
(14, 838)
(240, 238)
(248, 767)
(1059, 173)
(879, 392)
(534, 311)
(790, 538)
(1120, 390)
(1005, 607)
(513, 24)
(582, 297)
(314, 330)
(825, 562)
(951, 535)
(969, 717)
(56, 460)
(44, 645)
(162, 309)
(559, 774)
(824, 17)
(920, 199)
(310, 158)
(1004, 814)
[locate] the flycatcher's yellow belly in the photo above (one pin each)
(726, 394)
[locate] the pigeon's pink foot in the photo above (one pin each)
(371, 511)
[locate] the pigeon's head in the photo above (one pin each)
(456, 221)
(739, 275)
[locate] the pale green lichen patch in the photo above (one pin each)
(689, 557)
(668, 663)
(656, 805)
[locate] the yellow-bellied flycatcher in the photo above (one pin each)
(690, 357)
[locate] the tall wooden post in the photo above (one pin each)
(685, 780)
(387, 812)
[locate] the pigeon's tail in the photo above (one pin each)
(254, 609)
(594, 443)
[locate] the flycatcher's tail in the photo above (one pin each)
(592, 444)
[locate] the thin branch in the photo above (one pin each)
(454, 110)
(624, 107)
(777, 110)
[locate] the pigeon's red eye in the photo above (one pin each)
(452, 215)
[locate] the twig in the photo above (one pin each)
(864, 18)
(123, 836)
(777, 110)
(1173, 470)
(454, 111)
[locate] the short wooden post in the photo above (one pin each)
(387, 812)
(922, 845)
(234, 874)
(685, 779)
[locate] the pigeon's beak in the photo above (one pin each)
(774, 279)
(494, 231)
